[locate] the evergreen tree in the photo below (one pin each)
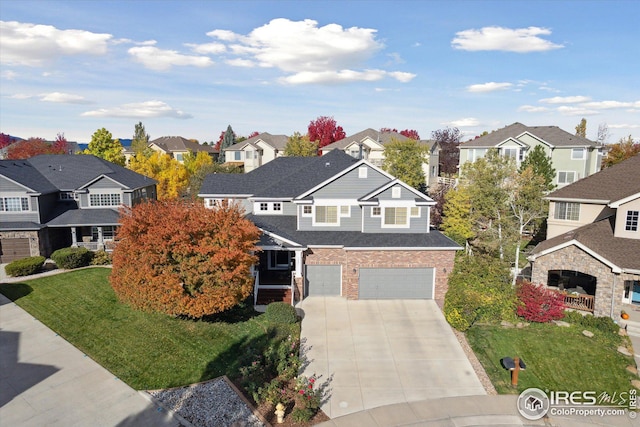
(228, 140)
(541, 165)
(140, 142)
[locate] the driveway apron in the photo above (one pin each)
(381, 352)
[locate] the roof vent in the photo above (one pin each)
(326, 165)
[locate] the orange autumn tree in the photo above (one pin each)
(183, 259)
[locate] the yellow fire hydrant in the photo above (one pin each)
(280, 413)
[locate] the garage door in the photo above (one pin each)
(392, 283)
(13, 249)
(322, 280)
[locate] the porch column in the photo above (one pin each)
(74, 238)
(100, 238)
(298, 258)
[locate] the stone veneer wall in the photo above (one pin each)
(442, 261)
(573, 258)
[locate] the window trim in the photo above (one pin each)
(307, 214)
(101, 198)
(396, 192)
(373, 211)
(565, 182)
(407, 223)
(411, 215)
(362, 171)
(346, 214)
(23, 202)
(631, 221)
(315, 221)
(582, 152)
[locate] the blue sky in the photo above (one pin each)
(191, 68)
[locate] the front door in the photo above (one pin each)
(279, 260)
(631, 292)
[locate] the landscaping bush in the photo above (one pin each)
(603, 324)
(101, 258)
(281, 312)
(69, 258)
(573, 317)
(479, 291)
(25, 266)
(539, 304)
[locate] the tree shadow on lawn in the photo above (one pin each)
(242, 312)
(15, 291)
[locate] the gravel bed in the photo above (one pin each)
(475, 363)
(209, 404)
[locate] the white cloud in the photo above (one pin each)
(34, 45)
(21, 96)
(565, 99)
(465, 122)
(239, 62)
(605, 105)
(488, 87)
(138, 110)
(9, 74)
(207, 48)
(519, 40)
(64, 98)
(624, 126)
(532, 109)
(576, 111)
(161, 60)
(308, 53)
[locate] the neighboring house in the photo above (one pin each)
(369, 145)
(49, 202)
(336, 225)
(255, 152)
(573, 157)
(177, 147)
(593, 241)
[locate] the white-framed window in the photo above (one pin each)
(362, 171)
(212, 203)
(70, 195)
(345, 211)
(104, 199)
(567, 211)
(434, 171)
(277, 206)
(326, 215)
(14, 204)
(307, 210)
(396, 192)
(180, 157)
(578, 153)
(264, 206)
(354, 152)
(415, 212)
(510, 152)
(395, 216)
(268, 208)
(376, 211)
(566, 177)
(631, 224)
(237, 155)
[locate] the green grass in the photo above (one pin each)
(146, 350)
(557, 358)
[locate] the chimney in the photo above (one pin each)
(360, 156)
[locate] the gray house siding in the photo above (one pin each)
(350, 186)
(126, 199)
(10, 187)
(289, 209)
(374, 224)
(105, 183)
(404, 194)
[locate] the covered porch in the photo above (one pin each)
(278, 271)
(94, 229)
(578, 289)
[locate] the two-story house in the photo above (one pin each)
(49, 202)
(592, 250)
(369, 145)
(256, 151)
(338, 225)
(573, 157)
(177, 147)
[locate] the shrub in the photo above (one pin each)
(300, 415)
(479, 291)
(539, 304)
(604, 324)
(69, 258)
(101, 258)
(573, 317)
(25, 266)
(281, 312)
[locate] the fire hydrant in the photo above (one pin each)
(280, 413)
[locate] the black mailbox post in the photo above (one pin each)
(514, 365)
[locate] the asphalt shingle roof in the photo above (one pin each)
(382, 137)
(85, 217)
(178, 143)
(23, 172)
(550, 134)
(613, 183)
(276, 141)
(285, 226)
(599, 238)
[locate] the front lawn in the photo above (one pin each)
(557, 358)
(147, 351)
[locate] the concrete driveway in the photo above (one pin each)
(383, 352)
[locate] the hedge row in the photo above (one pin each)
(25, 266)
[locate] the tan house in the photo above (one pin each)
(255, 152)
(592, 251)
(177, 147)
(369, 145)
(573, 157)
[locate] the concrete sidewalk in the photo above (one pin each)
(466, 411)
(47, 381)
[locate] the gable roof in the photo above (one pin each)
(53, 172)
(380, 137)
(610, 184)
(597, 239)
(552, 135)
(278, 142)
(178, 143)
(283, 177)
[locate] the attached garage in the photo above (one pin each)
(13, 249)
(396, 283)
(323, 280)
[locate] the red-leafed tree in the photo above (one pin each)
(449, 139)
(324, 130)
(219, 141)
(183, 259)
(60, 145)
(32, 147)
(409, 133)
(5, 140)
(539, 304)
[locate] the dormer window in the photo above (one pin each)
(264, 206)
(631, 223)
(68, 196)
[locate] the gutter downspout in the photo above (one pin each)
(613, 296)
